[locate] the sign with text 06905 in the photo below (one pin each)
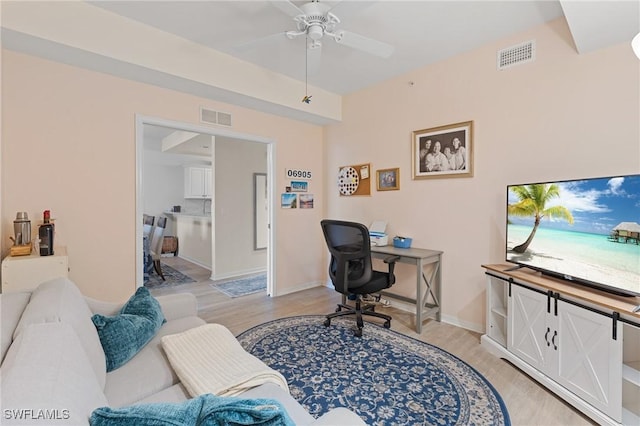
(297, 174)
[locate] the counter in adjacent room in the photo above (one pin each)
(194, 236)
(193, 215)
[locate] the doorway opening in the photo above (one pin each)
(232, 145)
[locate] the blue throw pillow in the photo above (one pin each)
(122, 336)
(204, 410)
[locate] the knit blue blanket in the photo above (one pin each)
(205, 410)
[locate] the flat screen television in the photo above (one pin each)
(586, 231)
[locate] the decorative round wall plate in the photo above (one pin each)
(348, 180)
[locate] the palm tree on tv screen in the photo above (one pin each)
(533, 201)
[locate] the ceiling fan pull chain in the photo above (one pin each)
(307, 98)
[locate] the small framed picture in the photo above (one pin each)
(388, 179)
(306, 201)
(289, 200)
(443, 152)
(299, 186)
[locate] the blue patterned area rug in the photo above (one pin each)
(172, 278)
(387, 378)
(242, 286)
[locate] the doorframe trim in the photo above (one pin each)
(140, 121)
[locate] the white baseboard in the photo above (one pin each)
(234, 274)
(410, 307)
(300, 287)
(208, 267)
(471, 326)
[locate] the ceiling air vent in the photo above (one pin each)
(518, 54)
(210, 116)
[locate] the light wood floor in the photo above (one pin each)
(528, 403)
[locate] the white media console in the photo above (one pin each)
(582, 344)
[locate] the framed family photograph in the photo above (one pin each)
(388, 179)
(443, 152)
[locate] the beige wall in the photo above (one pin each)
(563, 116)
(68, 145)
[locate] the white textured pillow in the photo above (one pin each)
(47, 378)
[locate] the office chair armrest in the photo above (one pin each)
(391, 261)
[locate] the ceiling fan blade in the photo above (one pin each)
(260, 42)
(366, 44)
(346, 8)
(287, 7)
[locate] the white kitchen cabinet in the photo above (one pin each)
(581, 344)
(25, 273)
(197, 182)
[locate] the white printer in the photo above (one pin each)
(377, 233)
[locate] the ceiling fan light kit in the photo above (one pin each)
(315, 21)
(315, 32)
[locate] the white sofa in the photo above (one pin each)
(53, 365)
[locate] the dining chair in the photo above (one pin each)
(157, 239)
(147, 224)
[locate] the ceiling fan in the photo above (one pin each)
(316, 21)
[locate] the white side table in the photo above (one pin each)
(25, 273)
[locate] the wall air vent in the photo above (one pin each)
(210, 116)
(518, 54)
(224, 119)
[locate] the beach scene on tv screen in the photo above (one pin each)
(588, 229)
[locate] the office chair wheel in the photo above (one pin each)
(338, 309)
(387, 324)
(327, 322)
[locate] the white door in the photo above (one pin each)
(589, 359)
(527, 326)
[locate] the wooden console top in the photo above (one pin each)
(623, 305)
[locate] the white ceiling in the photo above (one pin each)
(422, 32)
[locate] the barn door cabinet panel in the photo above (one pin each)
(586, 351)
(571, 345)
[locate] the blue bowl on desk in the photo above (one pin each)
(402, 242)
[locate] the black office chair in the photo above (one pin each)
(351, 271)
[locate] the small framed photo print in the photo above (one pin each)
(306, 201)
(299, 186)
(289, 200)
(443, 152)
(388, 179)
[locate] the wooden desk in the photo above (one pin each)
(425, 306)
